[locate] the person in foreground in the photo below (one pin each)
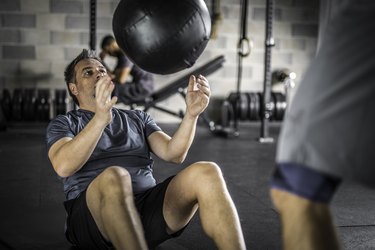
(328, 134)
(103, 155)
(132, 84)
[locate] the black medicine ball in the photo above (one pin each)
(162, 36)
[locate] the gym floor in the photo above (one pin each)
(32, 215)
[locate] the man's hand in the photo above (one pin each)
(176, 148)
(104, 102)
(197, 100)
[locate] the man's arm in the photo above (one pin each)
(68, 155)
(122, 74)
(176, 148)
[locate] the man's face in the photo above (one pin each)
(88, 72)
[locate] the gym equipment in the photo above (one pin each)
(162, 36)
(216, 17)
(286, 77)
(280, 105)
(17, 104)
(3, 125)
(6, 104)
(60, 102)
(29, 104)
(254, 106)
(32, 104)
(240, 104)
(3, 121)
(43, 105)
(178, 86)
(227, 114)
(93, 24)
(237, 106)
(267, 107)
(248, 106)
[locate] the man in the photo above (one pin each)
(103, 156)
(328, 134)
(132, 84)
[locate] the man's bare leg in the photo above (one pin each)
(305, 224)
(202, 185)
(111, 203)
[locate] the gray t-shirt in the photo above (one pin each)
(330, 123)
(123, 143)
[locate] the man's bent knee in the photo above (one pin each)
(207, 175)
(115, 181)
(207, 169)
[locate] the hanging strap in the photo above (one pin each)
(215, 17)
(243, 50)
(243, 47)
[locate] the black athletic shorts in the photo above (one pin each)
(82, 231)
(305, 182)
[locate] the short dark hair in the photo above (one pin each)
(70, 74)
(107, 40)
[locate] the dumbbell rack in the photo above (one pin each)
(31, 105)
(248, 107)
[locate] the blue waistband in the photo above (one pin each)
(305, 182)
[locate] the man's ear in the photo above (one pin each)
(73, 88)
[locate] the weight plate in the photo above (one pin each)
(280, 103)
(243, 105)
(6, 104)
(17, 105)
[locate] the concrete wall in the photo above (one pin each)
(39, 37)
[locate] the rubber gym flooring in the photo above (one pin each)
(32, 215)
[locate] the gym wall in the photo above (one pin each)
(39, 37)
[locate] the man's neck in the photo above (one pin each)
(87, 107)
